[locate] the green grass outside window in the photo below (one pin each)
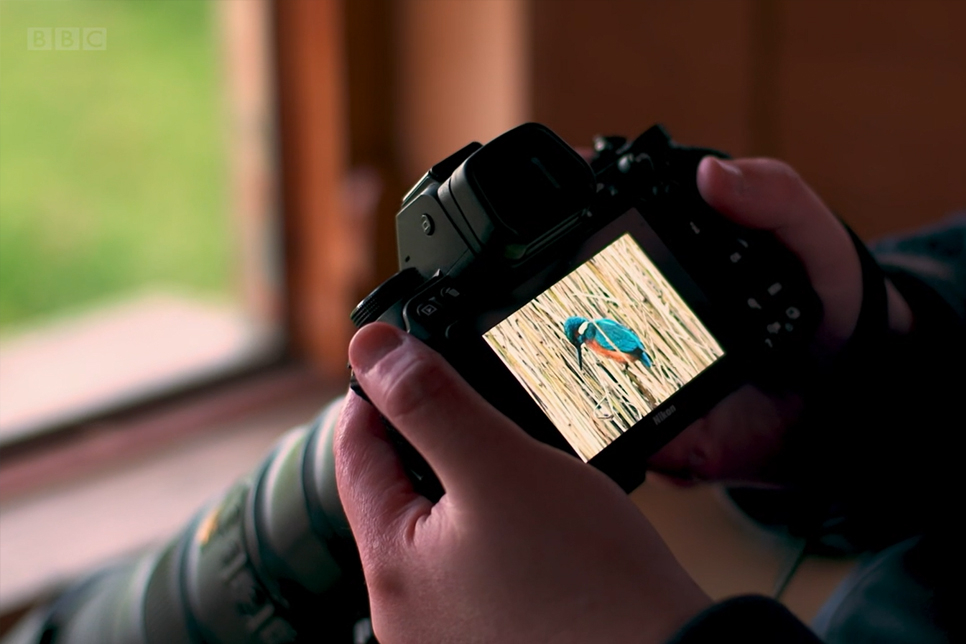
(113, 164)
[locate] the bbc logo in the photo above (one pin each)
(66, 38)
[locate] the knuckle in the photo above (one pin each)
(789, 184)
(786, 172)
(783, 178)
(776, 191)
(415, 386)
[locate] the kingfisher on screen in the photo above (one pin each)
(607, 338)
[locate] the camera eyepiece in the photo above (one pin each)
(485, 205)
(523, 184)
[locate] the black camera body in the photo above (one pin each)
(602, 306)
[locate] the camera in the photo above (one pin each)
(603, 305)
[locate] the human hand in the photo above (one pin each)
(741, 439)
(527, 544)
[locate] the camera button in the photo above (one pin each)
(449, 294)
(458, 331)
(739, 253)
(429, 309)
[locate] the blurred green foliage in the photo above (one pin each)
(113, 164)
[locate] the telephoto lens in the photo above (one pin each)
(270, 562)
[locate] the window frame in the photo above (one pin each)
(322, 258)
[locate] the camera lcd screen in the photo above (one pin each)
(604, 346)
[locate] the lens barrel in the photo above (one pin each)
(270, 562)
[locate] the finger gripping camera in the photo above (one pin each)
(602, 306)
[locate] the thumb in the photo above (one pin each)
(461, 436)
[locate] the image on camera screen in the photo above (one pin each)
(604, 346)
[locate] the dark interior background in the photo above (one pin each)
(865, 98)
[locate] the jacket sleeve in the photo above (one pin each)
(935, 256)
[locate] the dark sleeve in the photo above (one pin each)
(935, 257)
(880, 434)
(750, 619)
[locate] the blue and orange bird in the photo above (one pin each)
(607, 338)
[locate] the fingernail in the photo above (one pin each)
(728, 166)
(726, 175)
(372, 344)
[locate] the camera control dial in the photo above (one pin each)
(400, 285)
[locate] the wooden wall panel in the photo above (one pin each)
(618, 66)
(872, 107)
(865, 97)
(374, 183)
(460, 76)
(321, 239)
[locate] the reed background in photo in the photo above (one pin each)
(594, 405)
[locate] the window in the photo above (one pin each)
(139, 245)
